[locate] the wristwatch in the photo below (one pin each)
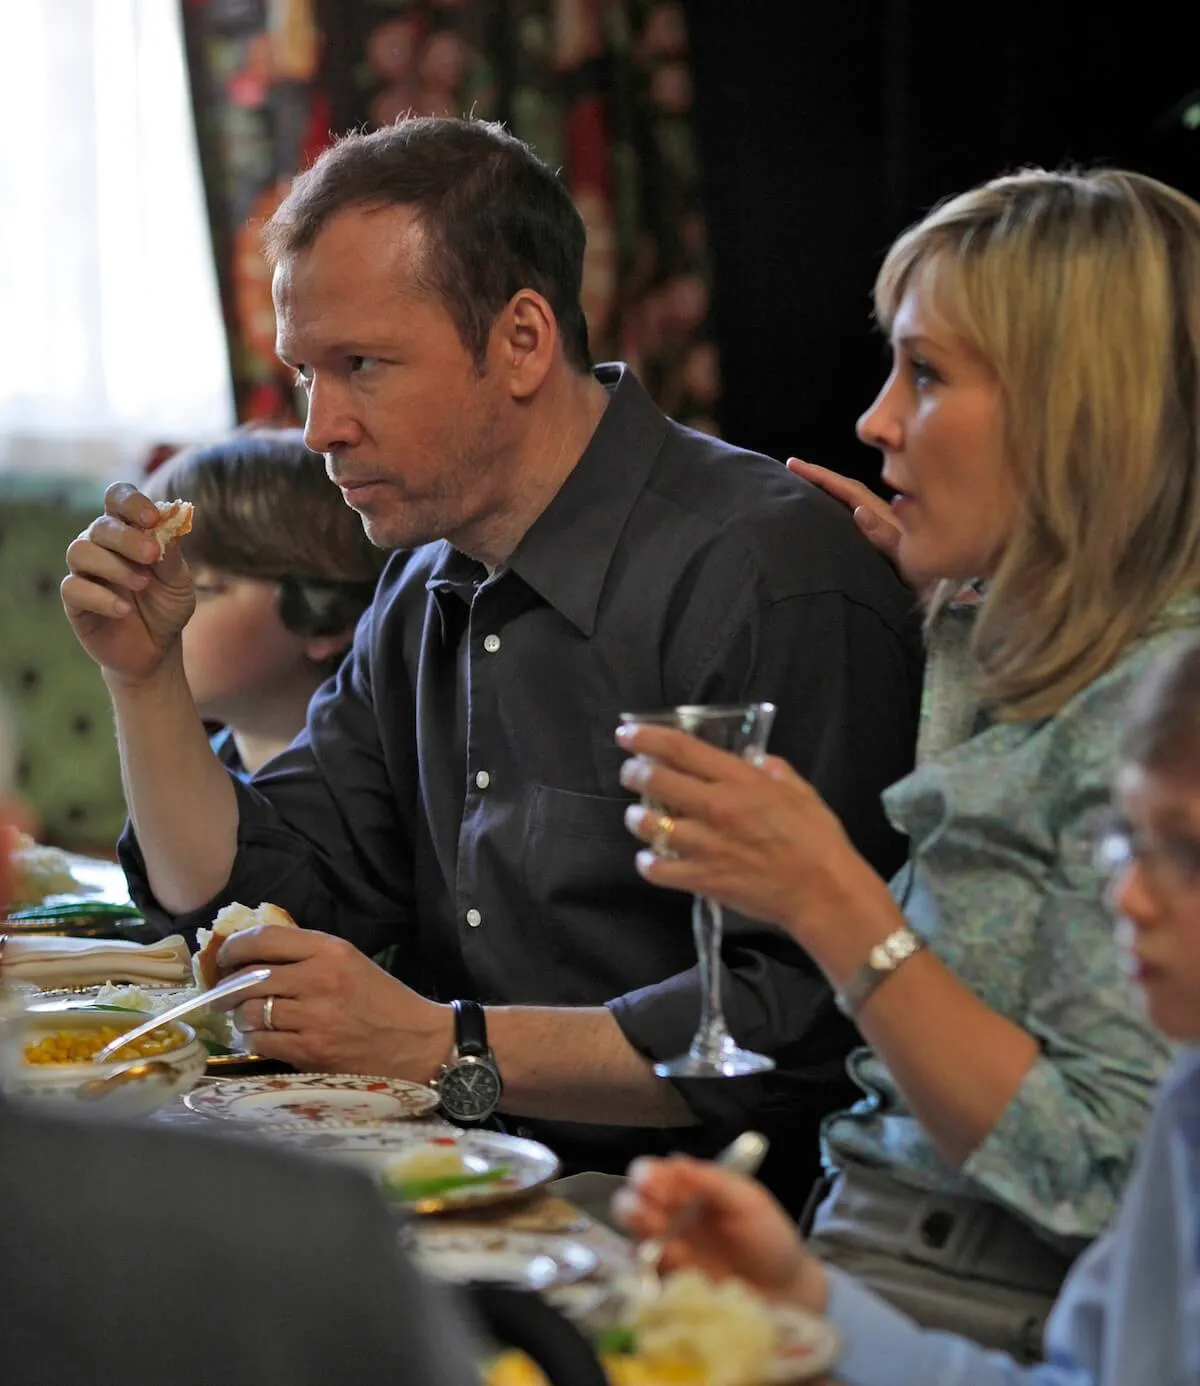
(882, 961)
(469, 1083)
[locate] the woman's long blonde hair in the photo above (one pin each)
(1081, 290)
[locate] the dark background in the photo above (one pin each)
(827, 126)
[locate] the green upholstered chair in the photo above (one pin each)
(68, 770)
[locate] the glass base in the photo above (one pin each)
(728, 1062)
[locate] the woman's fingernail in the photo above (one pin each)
(634, 773)
(865, 519)
(639, 1171)
(625, 733)
(624, 1204)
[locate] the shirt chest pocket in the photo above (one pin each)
(577, 849)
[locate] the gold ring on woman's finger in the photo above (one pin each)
(664, 831)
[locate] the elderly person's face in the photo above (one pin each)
(937, 422)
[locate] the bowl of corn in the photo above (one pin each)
(54, 1061)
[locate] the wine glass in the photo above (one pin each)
(743, 729)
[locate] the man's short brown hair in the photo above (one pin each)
(495, 218)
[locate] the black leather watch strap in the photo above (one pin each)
(470, 1028)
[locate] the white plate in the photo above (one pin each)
(806, 1345)
(528, 1164)
(308, 1102)
(95, 879)
(527, 1260)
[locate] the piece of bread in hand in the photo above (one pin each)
(231, 920)
(176, 521)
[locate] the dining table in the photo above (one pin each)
(542, 1221)
(549, 1239)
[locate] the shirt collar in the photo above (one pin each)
(565, 555)
(453, 571)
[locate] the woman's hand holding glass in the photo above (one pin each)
(731, 1226)
(759, 839)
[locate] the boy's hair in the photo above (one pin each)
(1162, 723)
(1081, 291)
(265, 509)
(495, 219)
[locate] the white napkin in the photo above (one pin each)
(81, 962)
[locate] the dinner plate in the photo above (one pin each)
(237, 1061)
(806, 1346)
(526, 1164)
(307, 1102)
(97, 906)
(81, 919)
(96, 882)
(526, 1260)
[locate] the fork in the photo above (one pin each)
(743, 1156)
(231, 986)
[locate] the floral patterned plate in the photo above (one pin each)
(519, 1165)
(313, 1101)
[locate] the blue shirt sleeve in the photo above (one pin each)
(884, 1348)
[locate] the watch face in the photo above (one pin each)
(470, 1090)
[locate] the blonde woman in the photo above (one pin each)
(1040, 430)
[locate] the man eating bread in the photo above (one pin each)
(565, 552)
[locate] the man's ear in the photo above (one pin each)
(525, 342)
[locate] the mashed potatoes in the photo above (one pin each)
(694, 1333)
(724, 1328)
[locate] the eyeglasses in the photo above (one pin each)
(1172, 863)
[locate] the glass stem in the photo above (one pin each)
(707, 921)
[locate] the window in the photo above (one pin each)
(110, 326)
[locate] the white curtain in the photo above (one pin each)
(110, 326)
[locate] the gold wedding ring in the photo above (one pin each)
(269, 1013)
(664, 831)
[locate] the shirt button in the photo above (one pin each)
(474, 918)
(491, 643)
(482, 780)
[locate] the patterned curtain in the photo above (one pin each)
(601, 88)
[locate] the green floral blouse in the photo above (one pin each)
(1002, 885)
